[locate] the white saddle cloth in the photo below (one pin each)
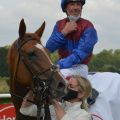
(80, 69)
(107, 104)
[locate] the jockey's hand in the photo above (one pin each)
(69, 27)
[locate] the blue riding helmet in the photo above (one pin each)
(65, 2)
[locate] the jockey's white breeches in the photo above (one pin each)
(80, 69)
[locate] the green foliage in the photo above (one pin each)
(5, 100)
(3, 61)
(4, 78)
(54, 57)
(4, 87)
(107, 60)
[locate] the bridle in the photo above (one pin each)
(40, 87)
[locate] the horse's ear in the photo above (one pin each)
(40, 31)
(22, 28)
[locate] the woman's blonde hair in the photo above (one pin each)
(85, 87)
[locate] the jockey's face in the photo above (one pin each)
(73, 9)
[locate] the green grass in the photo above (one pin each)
(4, 88)
(5, 100)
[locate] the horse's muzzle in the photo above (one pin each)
(58, 90)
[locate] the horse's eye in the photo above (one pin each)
(31, 55)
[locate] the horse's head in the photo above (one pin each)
(28, 61)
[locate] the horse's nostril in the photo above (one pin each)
(61, 85)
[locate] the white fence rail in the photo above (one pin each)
(5, 95)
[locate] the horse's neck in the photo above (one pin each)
(20, 91)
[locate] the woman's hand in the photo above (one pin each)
(60, 112)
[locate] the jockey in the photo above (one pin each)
(74, 38)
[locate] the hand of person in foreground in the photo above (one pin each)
(60, 112)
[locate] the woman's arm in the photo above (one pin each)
(60, 112)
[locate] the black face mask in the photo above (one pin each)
(72, 94)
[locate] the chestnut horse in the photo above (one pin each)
(31, 68)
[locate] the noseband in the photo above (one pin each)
(40, 86)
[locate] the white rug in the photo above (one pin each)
(107, 104)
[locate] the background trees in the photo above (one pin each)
(107, 60)
(3, 61)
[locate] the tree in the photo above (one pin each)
(107, 60)
(3, 61)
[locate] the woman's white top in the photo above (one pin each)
(73, 111)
